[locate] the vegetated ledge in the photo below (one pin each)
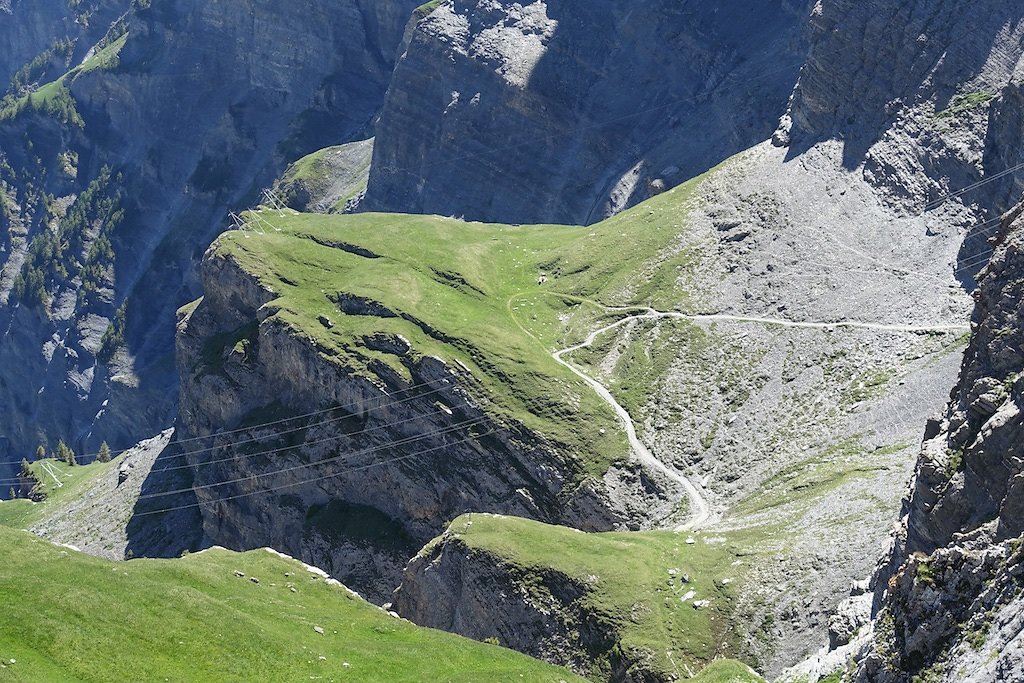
(430, 400)
(430, 373)
(647, 606)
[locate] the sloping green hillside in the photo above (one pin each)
(664, 599)
(497, 298)
(22, 513)
(727, 671)
(70, 617)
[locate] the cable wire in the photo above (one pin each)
(304, 482)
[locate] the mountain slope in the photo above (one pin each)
(423, 348)
(216, 616)
(411, 338)
(117, 175)
(572, 111)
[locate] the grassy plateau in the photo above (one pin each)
(498, 299)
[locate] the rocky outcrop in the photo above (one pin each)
(925, 75)
(97, 519)
(613, 607)
(569, 112)
(970, 473)
(947, 602)
(348, 466)
(461, 589)
(329, 180)
(182, 129)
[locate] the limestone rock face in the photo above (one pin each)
(970, 473)
(460, 589)
(204, 102)
(378, 468)
(570, 111)
(947, 600)
(906, 88)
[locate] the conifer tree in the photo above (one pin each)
(14, 493)
(65, 453)
(104, 454)
(41, 453)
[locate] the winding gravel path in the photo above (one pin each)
(700, 511)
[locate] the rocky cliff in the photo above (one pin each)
(949, 599)
(350, 454)
(571, 111)
(619, 607)
(934, 83)
(117, 175)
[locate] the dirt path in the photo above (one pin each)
(700, 511)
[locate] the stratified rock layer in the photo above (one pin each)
(205, 103)
(353, 469)
(571, 111)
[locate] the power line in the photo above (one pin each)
(401, 442)
(353, 404)
(233, 444)
(292, 430)
(280, 487)
(936, 203)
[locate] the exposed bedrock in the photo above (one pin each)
(205, 103)
(571, 110)
(382, 466)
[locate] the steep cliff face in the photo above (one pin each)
(455, 587)
(165, 130)
(925, 75)
(349, 457)
(969, 474)
(571, 111)
(951, 610)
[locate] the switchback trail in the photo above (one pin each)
(700, 511)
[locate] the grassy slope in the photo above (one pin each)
(314, 172)
(57, 91)
(727, 671)
(634, 590)
(70, 617)
(21, 513)
(477, 286)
